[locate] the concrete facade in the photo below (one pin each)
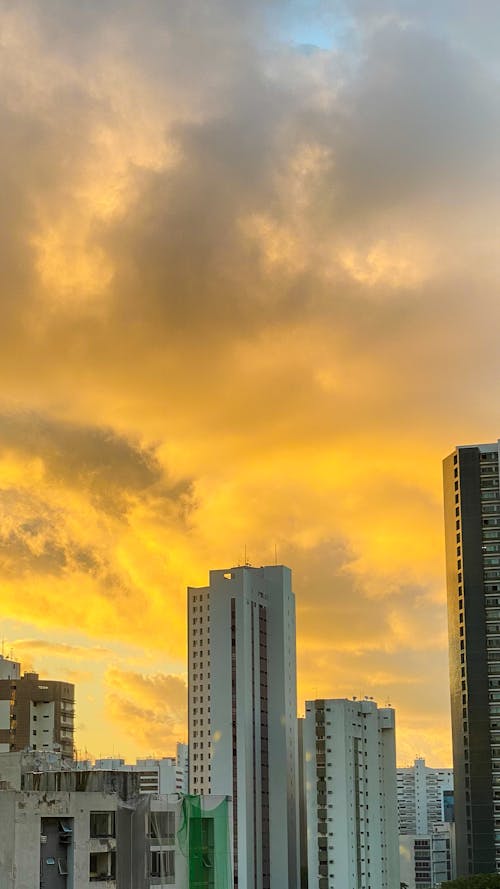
(35, 713)
(166, 775)
(243, 715)
(350, 774)
(72, 830)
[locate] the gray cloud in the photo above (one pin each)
(259, 259)
(108, 466)
(402, 134)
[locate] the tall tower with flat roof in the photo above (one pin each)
(349, 750)
(243, 715)
(472, 525)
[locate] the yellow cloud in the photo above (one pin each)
(239, 308)
(402, 264)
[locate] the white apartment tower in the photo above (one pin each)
(426, 828)
(424, 797)
(243, 715)
(350, 775)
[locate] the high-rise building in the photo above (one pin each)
(426, 828)
(350, 773)
(472, 525)
(35, 713)
(243, 715)
(423, 797)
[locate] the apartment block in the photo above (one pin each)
(426, 825)
(472, 534)
(72, 830)
(166, 775)
(243, 715)
(428, 860)
(425, 797)
(351, 801)
(35, 713)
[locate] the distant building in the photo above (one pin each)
(35, 713)
(302, 806)
(426, 829)
(472, 527)
(425, 797)
(243, 715)
(166, 775)
(9, 669)
(428, 860)
(182, 768)
(350, 775)
(68, 829)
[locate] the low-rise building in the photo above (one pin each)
(168, 774)
(35, 713)
(427, 861)
(62, 828)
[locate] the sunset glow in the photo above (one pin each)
(249, 303)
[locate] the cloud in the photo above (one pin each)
(30, 648)
(108, 467)
(249, 296)
(72, 496)
(152, 710)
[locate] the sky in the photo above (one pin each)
(249, 263)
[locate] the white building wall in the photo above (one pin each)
(431, 855)
(42, 724)
(167, 775)
(420, 797)
(182, 768)
(9, 669)
(421, 816)
(255, 592)
(350, 795)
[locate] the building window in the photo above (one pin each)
(102, 824)
(162, 826)
(102, 866)
(163, 864)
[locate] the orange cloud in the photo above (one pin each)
(152, 710)
(249, 297)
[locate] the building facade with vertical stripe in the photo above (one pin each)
(472, 529)
(349, 750)
(243, 715)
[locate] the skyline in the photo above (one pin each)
(249, 300)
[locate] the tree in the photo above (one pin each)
(479, 881)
